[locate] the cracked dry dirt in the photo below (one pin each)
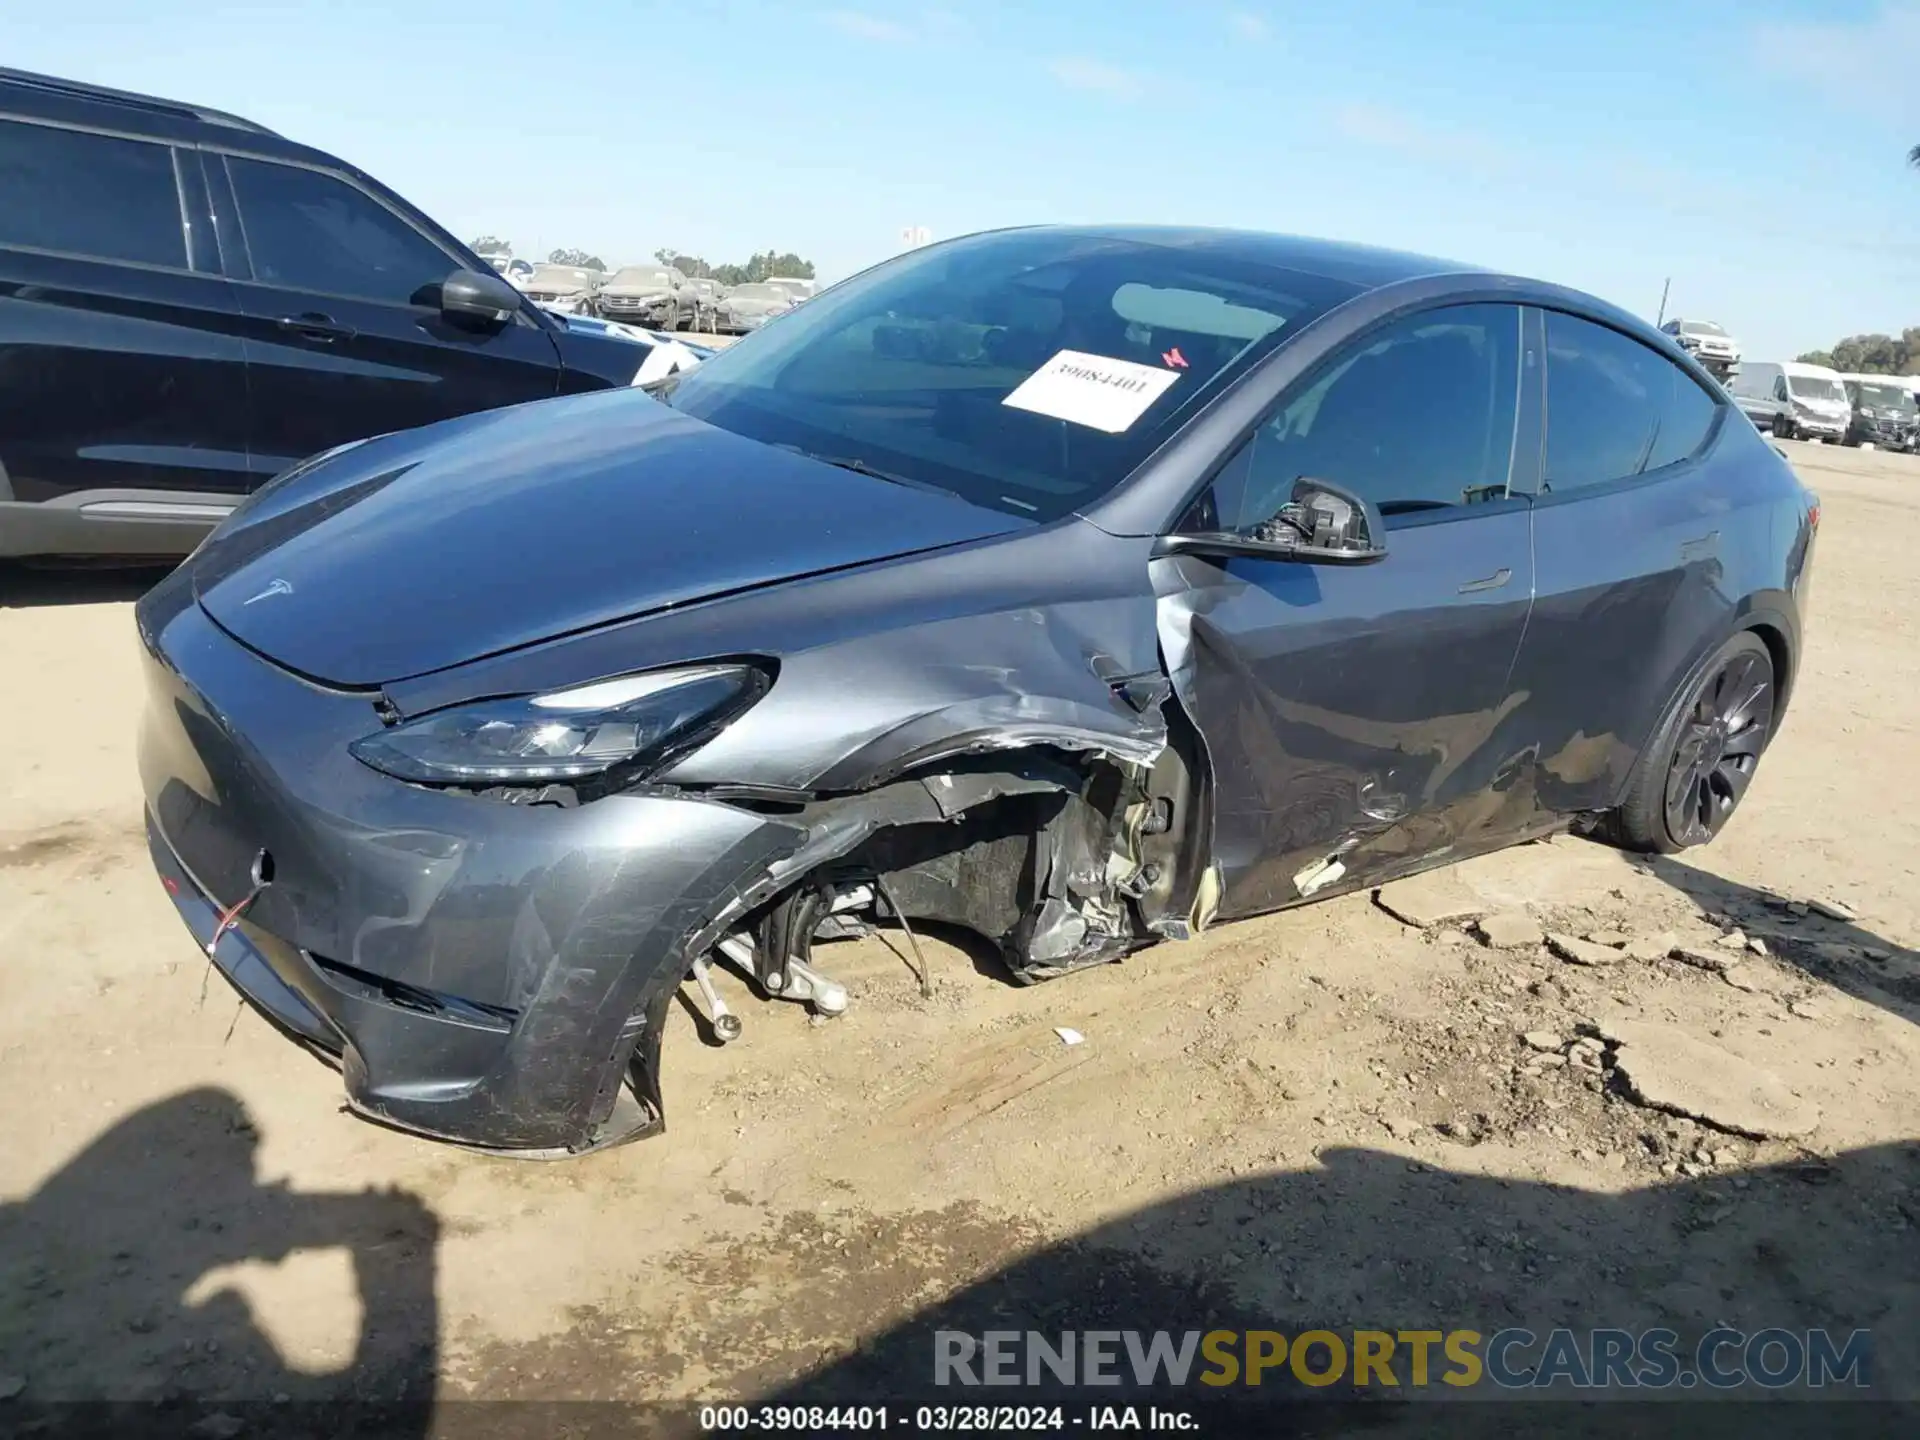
(1322, 1118)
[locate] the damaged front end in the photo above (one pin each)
(944, 740)
(1061, 859)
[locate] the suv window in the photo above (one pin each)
(310, 231)
(1419, 418)
(86, 194)
(1615, 408)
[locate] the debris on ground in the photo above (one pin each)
(1069, 1036)
(1704, 959)
(1670, 1070)
(1651, 947)
(1510, 930)
(1834, 910)
(1574, 950)
(1429, 899)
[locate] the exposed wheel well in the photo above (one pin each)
(1782, 658)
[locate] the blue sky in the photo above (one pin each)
(1751, 149)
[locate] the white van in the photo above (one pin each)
(1794, 401)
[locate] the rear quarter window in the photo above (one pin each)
(1616, 409)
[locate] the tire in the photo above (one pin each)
(1694, 773)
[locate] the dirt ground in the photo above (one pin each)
(1325, 1118)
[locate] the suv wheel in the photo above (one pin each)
(1692, 777)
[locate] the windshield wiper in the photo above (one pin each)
(861, 467)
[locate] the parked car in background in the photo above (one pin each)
(1716, 350)
(707, 295)
(652, 295)
(519, 273)
(1080, 587)
(794, 285)
(190, 304)
(1794, 401)
(1883, 416)
(566, 288)
(748, 307)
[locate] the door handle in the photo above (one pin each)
(1700, 547)
(314, 326)
(1490, 582)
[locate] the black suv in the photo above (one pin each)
(189, 304)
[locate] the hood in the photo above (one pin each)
(639, 290)
(433, 547)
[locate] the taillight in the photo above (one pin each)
(1813, 511)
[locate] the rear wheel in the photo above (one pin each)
(1690, 780)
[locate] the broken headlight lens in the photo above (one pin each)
(566, 734)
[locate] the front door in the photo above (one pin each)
(345, 335)
(1357, 718)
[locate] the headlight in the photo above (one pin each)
(629, 725)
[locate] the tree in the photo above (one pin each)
(1874, 354)
(490, 244)
(576, 257)
(757, 267)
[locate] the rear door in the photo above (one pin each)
(1357, 717)
(345, 336)
(1635, 522)
(122, 375)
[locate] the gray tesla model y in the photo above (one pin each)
(1079, 587)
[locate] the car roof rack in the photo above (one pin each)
(80, 90)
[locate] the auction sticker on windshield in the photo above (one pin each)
(1092, 390)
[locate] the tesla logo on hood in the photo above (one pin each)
(276, 587)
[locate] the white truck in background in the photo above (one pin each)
(1792, 400)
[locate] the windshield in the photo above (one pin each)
(561, 277)
(1812, 387)
(642, 275)
(1701, 327)
(758, 292)
(1027, 371)
(1885, 395)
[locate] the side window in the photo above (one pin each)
(1615, 407)
(1420, 417)
(310, 231)
(86, 194)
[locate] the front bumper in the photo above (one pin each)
(1883, 435)
(613, 305)
(486, 973)
(1823, 426)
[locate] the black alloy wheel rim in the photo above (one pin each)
(1721, 737)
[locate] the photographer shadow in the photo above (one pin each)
(118, 1318)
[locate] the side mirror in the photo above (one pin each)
(478, 297)
(1323, 524)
